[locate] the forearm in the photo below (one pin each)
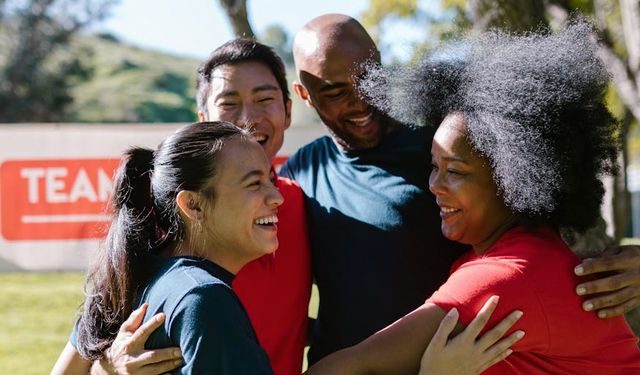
(397, 349)
(70, 363)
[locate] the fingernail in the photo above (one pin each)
(602, 314)
(519, 314)
(588, 306)
(581, 290)
(453, 312)
(508, 352)
(177, 362)
(176, 353)
(520, 334)
(579, 270)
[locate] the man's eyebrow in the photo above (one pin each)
(266, 87)
(255, 90)
(332, 85)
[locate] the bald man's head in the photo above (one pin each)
(329, 34)
(330, 54)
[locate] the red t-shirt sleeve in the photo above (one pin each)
(471, 285)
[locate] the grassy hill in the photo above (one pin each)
(133, 85)
(130, 84)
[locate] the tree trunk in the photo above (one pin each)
(621, 196)
(236, 11)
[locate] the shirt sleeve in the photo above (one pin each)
(288, 168)
(73, 337)
(215, 335)
(471, 285)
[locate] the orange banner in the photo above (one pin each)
(55, 199)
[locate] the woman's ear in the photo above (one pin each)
(190, 205)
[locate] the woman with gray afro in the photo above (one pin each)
(534, 109)
(524, 135)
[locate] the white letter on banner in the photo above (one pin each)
(82, 188)
(32, 175)
(53, 185)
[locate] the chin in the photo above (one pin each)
(450, 235)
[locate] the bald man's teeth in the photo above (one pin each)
(360, 121)
(260, 138)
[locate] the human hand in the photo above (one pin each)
(466, 353)
(127, 355)
(621, 285)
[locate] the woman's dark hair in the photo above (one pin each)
(237, 51)
(534, 106)
(145, 220)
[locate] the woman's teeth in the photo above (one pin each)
(272, 219)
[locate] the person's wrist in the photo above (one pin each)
(98, 369)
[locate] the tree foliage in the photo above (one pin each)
(36, 68)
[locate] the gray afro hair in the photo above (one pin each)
(534, 107)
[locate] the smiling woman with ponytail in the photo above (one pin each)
(186, 218)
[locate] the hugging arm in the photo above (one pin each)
(401, 348)
(618, 270)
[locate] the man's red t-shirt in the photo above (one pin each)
(533, 272)
(275, 289)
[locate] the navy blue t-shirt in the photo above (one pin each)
(203, 317)
(377, 248)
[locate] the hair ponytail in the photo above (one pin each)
(117, 272)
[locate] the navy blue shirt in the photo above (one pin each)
(203, 317)
(377, 248)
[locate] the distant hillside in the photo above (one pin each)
(133, 85)
(130, 84)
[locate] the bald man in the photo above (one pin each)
(377, 249)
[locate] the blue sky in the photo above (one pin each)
(195, 27)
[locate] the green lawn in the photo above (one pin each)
(36, 315)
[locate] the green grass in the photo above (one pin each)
(36, 315)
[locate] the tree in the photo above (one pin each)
(618, 27)
(236, 11)
(35, 75)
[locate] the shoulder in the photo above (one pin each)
(181, 282)
(288, 187)
(306, 156)
(215, 334)
(183, 274)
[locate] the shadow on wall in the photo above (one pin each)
(8, 266)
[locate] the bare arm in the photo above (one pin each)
(70, 363)
(618, 270)
(400, 348)
(397, 349)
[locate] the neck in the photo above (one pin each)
(481, 247)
